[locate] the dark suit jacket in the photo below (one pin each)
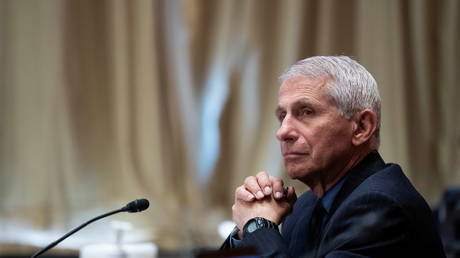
(377, 213)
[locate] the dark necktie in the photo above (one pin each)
(316, 224)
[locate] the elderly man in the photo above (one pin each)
(358, 206)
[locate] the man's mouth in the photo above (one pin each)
(293, 155)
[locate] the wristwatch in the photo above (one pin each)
(256, 223)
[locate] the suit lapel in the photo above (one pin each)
(372, 163)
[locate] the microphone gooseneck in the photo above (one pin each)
(134, 206)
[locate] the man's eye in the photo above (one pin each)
(281, 116)
(306, 111)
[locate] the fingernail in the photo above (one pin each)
(268, 190)
(278, 195)
(260, 194)
(250, 197)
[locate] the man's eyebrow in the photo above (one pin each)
(302, 103)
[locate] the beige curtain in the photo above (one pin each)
(102, 102)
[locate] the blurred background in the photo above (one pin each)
(106, 101)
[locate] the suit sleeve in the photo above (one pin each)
(268, 241)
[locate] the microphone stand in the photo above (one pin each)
(53, 244)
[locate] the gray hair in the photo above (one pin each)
(353, 88)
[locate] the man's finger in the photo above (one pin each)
(278, 189)
(264, 182)
(242, 194)
(251, 185)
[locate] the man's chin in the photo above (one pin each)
(297, 173)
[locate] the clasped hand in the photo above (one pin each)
(262, 196)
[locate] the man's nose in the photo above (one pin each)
(287, 131)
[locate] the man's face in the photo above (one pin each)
(314, 137)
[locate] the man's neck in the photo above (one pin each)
(326, 180)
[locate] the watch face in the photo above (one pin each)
(252, 226)
(256, 223)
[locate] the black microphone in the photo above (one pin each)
(134, 206)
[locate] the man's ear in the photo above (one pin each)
(365, 126)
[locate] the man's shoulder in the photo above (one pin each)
(390, 181)
(385, 207)
(391, 184)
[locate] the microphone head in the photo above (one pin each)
(137, 205)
